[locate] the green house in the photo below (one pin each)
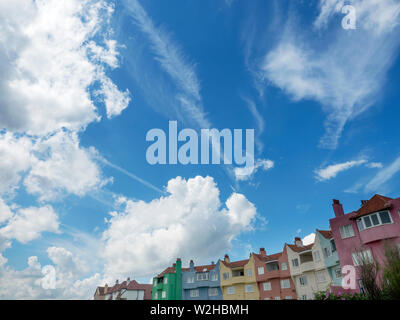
(168, 284)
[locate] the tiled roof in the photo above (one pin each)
(236, 264)
(100, 290)
(201, 268)
(327, 234)
(271, 257)
(376, 203)
(300, 249)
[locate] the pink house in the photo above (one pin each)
(365, 231)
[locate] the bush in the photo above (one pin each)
(391, 273)
(329, 295)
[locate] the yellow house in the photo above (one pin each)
(238, 279)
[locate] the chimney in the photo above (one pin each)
(263, 252)
(363, 202)
(191, 265)
(212, 262)
(116, 281)
(226, 259)
(298, 242)
(105, 288)
(128, 281)
(337, 208)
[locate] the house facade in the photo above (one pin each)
(307, 268)
(168, 284)
(238, 280)
(363, 233)
(273, 277)
(324, 240)
(201, 282)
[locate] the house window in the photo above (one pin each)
(346, 231)
(304, 297)
(226, 275)
(190, 279)
(374, 220)
(249, 272)
(333, 245)
(321, 276)
(164, 294)
(260, 270)
(317, 256)
(295, 262)
(277, 298)
(284, 266)
(267, 286)
(202, 276)
(212, 292)
(362, 256)
(327, 252)
(303, 280)
(155, 282)
(231, 290)
(156, 295)
(194, 293)
(214, 276)
(249, 288)
(165, 280)
(285, 284)
(288, 298)
(338, 273)
(360, 284)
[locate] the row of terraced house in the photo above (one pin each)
(298, 272)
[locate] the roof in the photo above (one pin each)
(235, 264)
(201, 268)
(376, 203)
(100, 290)
(271, 257)
(300, 249)
(327, 234)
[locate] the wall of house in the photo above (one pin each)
(202, 286)
(366, 239)
(239, 283)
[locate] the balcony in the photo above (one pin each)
(307, 266)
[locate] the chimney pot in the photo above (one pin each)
(263, 252)
(226, 259)
(337, 208)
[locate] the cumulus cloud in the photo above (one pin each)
(243, 174)
(29, 223)
(62, 168)
(190, 219)
(308, 239)
(48, 62)
(29, 282)
(15, 158)
(345, 75)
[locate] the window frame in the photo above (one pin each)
(258, 270)
(369, 255)
(315, 254)
(283, 264)
(303, 277)
(268, 284)
(361, 220)
(232, 291)
(297, 262)
(191, 291)
(285, 281)
(215, 290)
(343, 228)
(248, 286)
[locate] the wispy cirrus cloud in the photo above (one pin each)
(173, 62)
(344, 75)
(332, 171)
(383, 176)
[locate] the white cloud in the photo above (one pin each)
(28, 224)
(242, 174)
(27, 283)
(308, 239)
(5, 212)
(344, 75)
(67, 168)
(374, 165)
(190, 219)
(171, 59)
(383, 176)
(15, 158)
(47, 64)
(333, 170)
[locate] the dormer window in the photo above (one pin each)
(374, 220)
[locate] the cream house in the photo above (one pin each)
(307, 268)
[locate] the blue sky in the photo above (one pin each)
(323, 101)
